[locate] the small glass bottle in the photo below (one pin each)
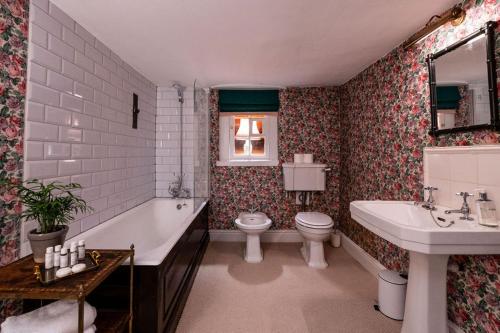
(81, 249)
(73, 255)
(49, 257)
(64, 257)
(486, 210)
(57, 256)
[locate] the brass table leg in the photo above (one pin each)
(130, 323)
(81, 302)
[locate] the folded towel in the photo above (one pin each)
(90, 329)
(57, 317)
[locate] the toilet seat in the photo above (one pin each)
(314, 220)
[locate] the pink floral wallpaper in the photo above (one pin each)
(463, 115)
(308, 122)
(13, 55)
(384, 127)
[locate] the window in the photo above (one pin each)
(248, 140)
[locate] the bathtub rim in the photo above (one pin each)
(154, 256)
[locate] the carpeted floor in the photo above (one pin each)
(281, 294)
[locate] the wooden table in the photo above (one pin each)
(18, 281)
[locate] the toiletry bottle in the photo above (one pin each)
(486, 211)
(57, 256)
(81, 249)
(73, 255)
(64, 257)
(49, 257)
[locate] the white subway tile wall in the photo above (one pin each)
(79, 118)
(460, 169)
(168, 139)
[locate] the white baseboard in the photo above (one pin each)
(373, 266)
(367, 261)
(270, 236)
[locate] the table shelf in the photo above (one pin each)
(18, 281)
(109, 321)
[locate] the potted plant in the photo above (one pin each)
(53, 206)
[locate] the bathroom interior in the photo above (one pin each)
(232, 166)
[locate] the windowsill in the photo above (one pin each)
(243, 163)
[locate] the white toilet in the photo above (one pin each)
(315, 228)
(253, 225)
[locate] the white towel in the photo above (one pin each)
(57, 317)
(90, 329)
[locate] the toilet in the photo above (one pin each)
(315, 228)
(253, 224)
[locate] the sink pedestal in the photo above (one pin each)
(426, 306)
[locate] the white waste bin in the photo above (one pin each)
(392, 294)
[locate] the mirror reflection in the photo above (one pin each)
(462, 86)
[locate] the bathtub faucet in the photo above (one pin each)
(177, 190)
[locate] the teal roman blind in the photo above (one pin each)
(233, 100)
(448, 97)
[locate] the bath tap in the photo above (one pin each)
(177, 190)
(465, 209)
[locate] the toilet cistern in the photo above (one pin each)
(253, 224)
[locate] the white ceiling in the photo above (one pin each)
(258, 42)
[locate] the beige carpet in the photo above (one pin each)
(281, 294)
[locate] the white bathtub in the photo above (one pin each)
(153, 227)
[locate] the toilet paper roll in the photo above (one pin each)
(298, 158)
(308, 158)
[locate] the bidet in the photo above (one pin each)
(253, 225)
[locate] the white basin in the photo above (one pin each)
(413, 228)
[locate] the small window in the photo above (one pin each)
(248, 140)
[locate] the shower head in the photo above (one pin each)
(180, 90)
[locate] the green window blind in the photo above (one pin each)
(232, 100)
(448, 97)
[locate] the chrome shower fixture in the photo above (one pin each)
(180, 91)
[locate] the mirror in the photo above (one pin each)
(463, 88)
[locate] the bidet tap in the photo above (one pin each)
(465, 209)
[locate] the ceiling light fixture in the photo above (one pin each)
(454, 15)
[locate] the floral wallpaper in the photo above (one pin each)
(308, 122)
(463, 114)
(13, 55)
(384, 127)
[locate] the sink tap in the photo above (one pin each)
(252, 210)
(465, 209)
(429, 203)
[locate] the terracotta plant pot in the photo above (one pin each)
(40, 242)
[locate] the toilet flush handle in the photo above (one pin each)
(327, 169)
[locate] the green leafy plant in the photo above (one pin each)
(52, 205)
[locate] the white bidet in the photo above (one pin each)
(253, 224)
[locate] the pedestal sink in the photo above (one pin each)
(413, 228)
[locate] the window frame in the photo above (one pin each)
(234, 137)
(227, 136)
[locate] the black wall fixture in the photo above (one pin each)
(135, 111)
(489, 70)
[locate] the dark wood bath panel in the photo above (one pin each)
(160, 292)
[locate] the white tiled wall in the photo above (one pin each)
(168, 139)
(79, 118)
(459, 169)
